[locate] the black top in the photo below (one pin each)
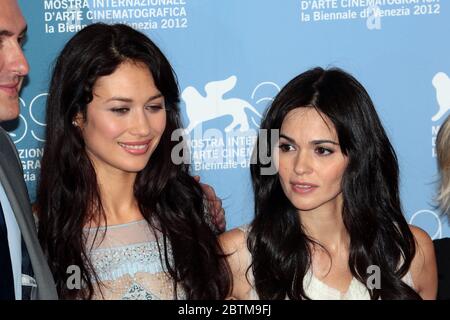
(442, 249)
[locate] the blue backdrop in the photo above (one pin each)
(231, 58)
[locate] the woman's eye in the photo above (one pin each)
(323, 151)
(286, 147)
(154, 108)
(120, 110)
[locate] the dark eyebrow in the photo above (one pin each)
(159, 95)
(314, 142)
(7, 33)
(287, 138)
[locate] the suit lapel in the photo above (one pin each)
(11, 177)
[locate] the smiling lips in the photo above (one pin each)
(303, 187)
(136, 148)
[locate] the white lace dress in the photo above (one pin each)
(316, 289)
(127, 262)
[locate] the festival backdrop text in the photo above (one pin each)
(233, 56)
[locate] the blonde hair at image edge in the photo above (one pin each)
(443, 160)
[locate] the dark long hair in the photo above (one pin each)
(168, 197)
(372, 215)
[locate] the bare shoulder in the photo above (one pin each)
(423, 267)
(420, 235)
(424, 245)
(233, 240)
(234, 245)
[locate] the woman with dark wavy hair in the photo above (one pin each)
(118, 219)
(328, 224)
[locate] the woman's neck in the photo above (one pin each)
(325, 225)
(116, 189)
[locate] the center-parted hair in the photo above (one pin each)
(168, 197)
(372, 214)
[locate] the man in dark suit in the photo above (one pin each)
(24, 272)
